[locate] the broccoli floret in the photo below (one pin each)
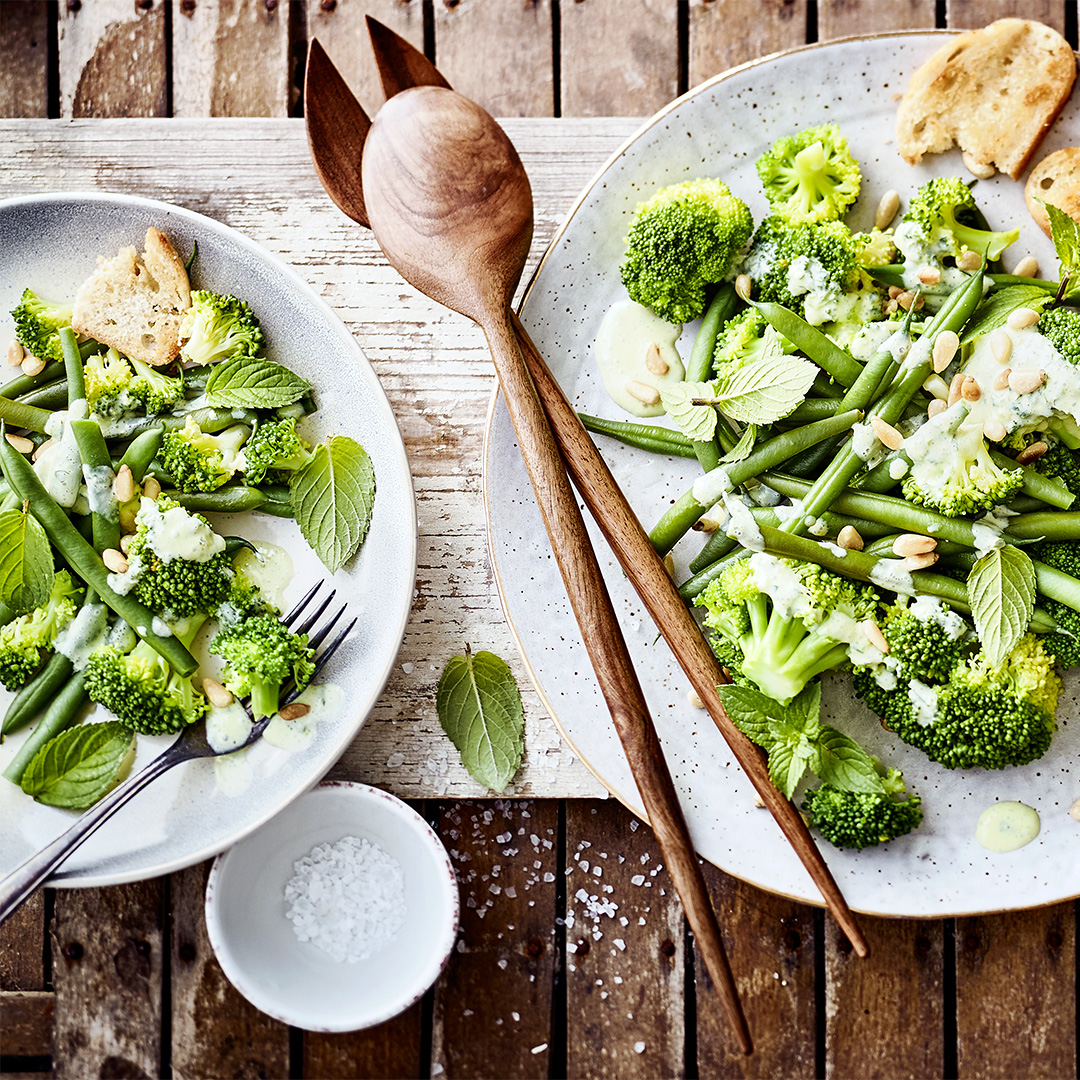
(197, 461)
(937, 208)
(218, 327)
(24, 640)
(810, 176)
(153, 390)
(1061, 327)
(952, 470)
(274, 449)
(1058, 462)
(260, 653)
(876, 248)
(789, 621)
(244, 601)
(140, 688)
(1063, 555)
(38, 323)
(179, 564)
(1064, 643)
(860, 819)
(106, 376)
(680, 241)
(742, 341)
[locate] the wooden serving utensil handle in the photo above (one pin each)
(623, 531)
(610, 659)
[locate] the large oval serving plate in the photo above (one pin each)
(720, 129)
(50, 244)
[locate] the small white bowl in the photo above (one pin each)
(297, 982)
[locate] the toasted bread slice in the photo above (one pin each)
(1055, 180)
(994, 92)
(135, 304)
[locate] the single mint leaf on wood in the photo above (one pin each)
(994, 311)
(697, 422)
(79, 765)
(1001, 591)
(26, 561)
(332, 499)
(479, 707)
(842, 762)
(248, 382)
(765, 391)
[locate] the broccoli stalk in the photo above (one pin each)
(861, 819)
(218, 327)
(24, 640)
(38, 323)
(936, 210)
(198, 462)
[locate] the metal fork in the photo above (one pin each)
(191, 744)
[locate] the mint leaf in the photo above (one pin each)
(994, 311)
(741, 450)
(843, 763)
(697, 422)
(26, 561)
(747, 710)
(1066, 236)
(247, 382)
(765, 391)
(1001, 591)
(332, 497)
(479, 707)
(788, 763)
(79, 765)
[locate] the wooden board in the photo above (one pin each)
(24, 59)
(724, 33)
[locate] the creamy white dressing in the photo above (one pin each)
(324, 700)
(269, 568)
(898, 468)
(817, 527)
(227, 728)
(864, 442)
(626, 334)
(741, 525)
(890, 574)
(176, 534)
(100, 497)
(161, 627)
(710, 488)
(1007, 826)
(986, 538)
(930, 609)
(836, 549)
(923, 702)
(59, 468)
(85, 633)
(872, 337)
(921, 254)
(125, 582)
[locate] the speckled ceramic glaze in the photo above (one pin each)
(297, 982)
(51, 243)
(719, 130)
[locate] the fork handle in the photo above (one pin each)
(32, 872)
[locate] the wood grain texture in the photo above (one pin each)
(27, 1022)
(837, 18)
(215, 1031)
(230, 58)
(24, 59)
(22, 951)
(493, 1004)
(724, 33)
(771, 944)
(1016, 994)
(108, 950)
(625, 949)
(971, 14)
(884, 1015)
(499, 54)
(631, 67)
(113, 59)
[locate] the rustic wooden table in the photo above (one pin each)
(121, 982)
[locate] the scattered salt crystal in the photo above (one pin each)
(394, 760)
(548, 878)
(620, 944)
(638, 879)
(598, 871)
(502, 963)
(539, 1049)
(467, 1012)
(503, 838)
(407, 668)
(618, 979)
(511, 893)
(516, 1016)
(639, 1047)
(634, 826)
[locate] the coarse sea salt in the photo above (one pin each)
(347, 898)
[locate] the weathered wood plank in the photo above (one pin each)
(971, 14)
(1016, 994)
(387, 1052)
(625, 949)
(770, 943)
(493, 1005)
(24, 59)
(896, 996)
(27, 1021)
(215, 1031)
(618, 57)
(724, 33)
(339, 25)
(112, 58)
(107, 969)
(22, 947)
(838, 18)
(230, 58)
(499, 54)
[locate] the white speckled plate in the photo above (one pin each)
(720, 129)
(51, 243)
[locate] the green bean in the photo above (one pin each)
(651, 437)
(141, 452)
(1050, 490)
(716, 547)
(47, 396)
(1045, 526)
(211, 420)
(812, 409)
(1051, 582)
(699, 369)
(95, 455)
(17, 415)
(86, 562)
(235, 499)
(697, 584)
(893, 274)
(42, 688)
(674, 524)
(880, 479)
(828, 356)
(73, 365)
(23, 384)
(58, 717)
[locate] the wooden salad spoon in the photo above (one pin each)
(451, 207)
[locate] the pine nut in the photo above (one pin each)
(128, 514)
(994, 429)
(669, 565)
(294, 711)
(23, 445)
(1028, 266)
(850, 539)
(15, 353)
(1032, 453)
(759, 802)
(886, 433)
(886, 209)
(1002, 380)
(114, 560)
(218, 696)
(936, 385)
(1022, 317)
(695, 700)
(969, 261)
(930, 277)
(1001, 346)
(892, 307)
(935, 407)
(875, 636)
(706, 525)
(970, 390)
(124, 485)
(954, 388)
(125, 542)
(913, 544)
(743, 286)
(1074, 810)
(982, 169)
(910, 300)
(33, 365)
(1026, 382)
(654, 361)
(41, 449)
(646, 394)
(151, 488)
(894, 291)
(919, 562)
(945, 347)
